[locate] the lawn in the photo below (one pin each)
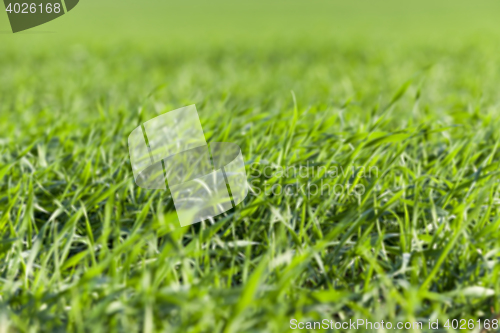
(391, 109)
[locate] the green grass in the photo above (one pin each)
(83, 249)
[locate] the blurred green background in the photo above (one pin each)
(168, 23)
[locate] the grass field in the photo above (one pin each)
(406, 95)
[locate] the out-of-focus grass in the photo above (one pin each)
(411, 90)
